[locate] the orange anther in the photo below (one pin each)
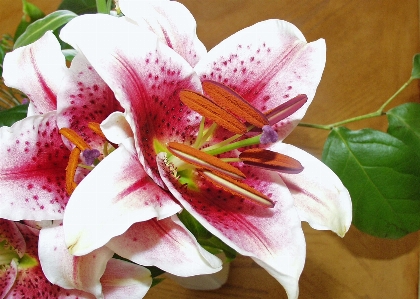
(237, 188)
(208, 109)
(227, 98)
(270, 160)
(96, 127)
(71, 170)
(203, 160)
(74, 138)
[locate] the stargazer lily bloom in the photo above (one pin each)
(47, 154)
(207, 138)
(85, 277)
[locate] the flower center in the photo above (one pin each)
(229, 110)
(82, 151)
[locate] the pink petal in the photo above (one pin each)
(8, 274)
(171, 22)
(68, 271)
(116, 194)
(125, 280)
(31, 281)
(32, 170)
(271, 236)
(145, 76)
(320, 197)
(166, 244)
(37, 70)
(83, 98)
(12, 236)
(267, 64)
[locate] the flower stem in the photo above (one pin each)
(378, 112)
(102, 6)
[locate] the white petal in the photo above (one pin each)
(68, 271)
(125, 280)
(171, 22)
(166, 244)
(115, 194)
(319, 195)
(116, 128)
(37, 70)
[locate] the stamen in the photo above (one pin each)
(96, 127)
(71, 170)
(202, 160)
(227, 98)
(286, 109)
(74, 138)
(208, 109)
(270, 160)
(237, 188)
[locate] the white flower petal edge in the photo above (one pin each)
(166, 244)
(171, 22)
(37, 70)
(95, 272)
(319, 196)
(68, 271)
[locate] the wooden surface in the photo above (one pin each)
(370, 45)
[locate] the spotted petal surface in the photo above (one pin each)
(37, 70)
(32, 169)
(171, 22)
(267, 64)
(116, 194)
(145, 76)
(30, 281)
(84, 97)
(272, 237)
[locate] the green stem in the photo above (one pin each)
(378, 112)
(229, 147)
(102, 6)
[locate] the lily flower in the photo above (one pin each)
(179, 131)
(23, 271)
(48, 153)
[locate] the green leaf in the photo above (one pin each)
(12, 115)
(194, 226)
(404, 124)
(79, 6)
(204, 237)
(31, 13)
(37, 29)
(382, 175)
(415, 73)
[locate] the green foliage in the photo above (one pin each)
(79, 7)
(415, 73)
(382, 174)
(31, 13)
(38, 28)
(205, 238)
(404, 124)
(12, 115)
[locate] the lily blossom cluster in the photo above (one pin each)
(145, 124)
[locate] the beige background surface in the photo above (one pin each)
(370, 45)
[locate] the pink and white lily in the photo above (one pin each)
(38, 153)
(24, 273)
(269, 65)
